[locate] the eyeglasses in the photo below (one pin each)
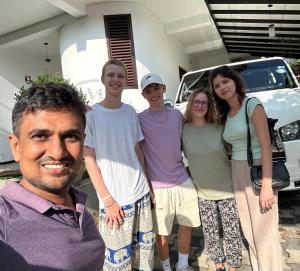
(199, 102)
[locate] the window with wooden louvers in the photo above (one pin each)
(120, 44)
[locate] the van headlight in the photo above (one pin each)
(290, 131)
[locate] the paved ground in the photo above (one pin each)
(289, 227)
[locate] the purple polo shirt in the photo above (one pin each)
(162, 147)
(36, 234)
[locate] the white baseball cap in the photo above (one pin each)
(150, 78)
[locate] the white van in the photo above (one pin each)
(273, 82)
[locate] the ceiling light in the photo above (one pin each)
(271, 27)
(47, 59)
(272, 33)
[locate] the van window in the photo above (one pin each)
(191, 82)
(258, 76)
(265, 75)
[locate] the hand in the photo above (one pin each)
(266, 197)
(114, 216)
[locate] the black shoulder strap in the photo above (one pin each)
(249, 149)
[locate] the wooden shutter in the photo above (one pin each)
(120, 44)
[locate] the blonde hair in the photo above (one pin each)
(114, 62)
(210, 115)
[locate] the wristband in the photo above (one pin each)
(107, 197)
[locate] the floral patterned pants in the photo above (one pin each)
(209, 212)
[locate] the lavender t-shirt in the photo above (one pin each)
(37, 235)
(162, 147)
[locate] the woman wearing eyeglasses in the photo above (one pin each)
(210, 169)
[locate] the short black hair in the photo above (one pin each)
(38, 97)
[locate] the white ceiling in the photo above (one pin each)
(37, 46)
(16, 14)
(167, 10)
(188, 21)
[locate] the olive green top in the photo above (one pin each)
(208, 163)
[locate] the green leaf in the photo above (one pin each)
(52, 78)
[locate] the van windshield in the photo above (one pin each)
(258, 76)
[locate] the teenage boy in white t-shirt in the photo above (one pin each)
(113, 159)
(175, 193)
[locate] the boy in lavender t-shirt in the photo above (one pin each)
(175, 194)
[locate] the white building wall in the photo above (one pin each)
(84, 50)
(15, 63)
(7, 91)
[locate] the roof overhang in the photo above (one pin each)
(246, 26)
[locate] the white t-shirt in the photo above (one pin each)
(113, 133)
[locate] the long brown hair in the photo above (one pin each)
(221, 105)
(210, 115)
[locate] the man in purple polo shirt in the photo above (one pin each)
(44, 225)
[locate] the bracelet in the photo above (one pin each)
(107, 197)
(107, 206)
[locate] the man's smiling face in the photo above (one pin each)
(49, 148)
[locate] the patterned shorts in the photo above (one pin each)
(132, 246)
